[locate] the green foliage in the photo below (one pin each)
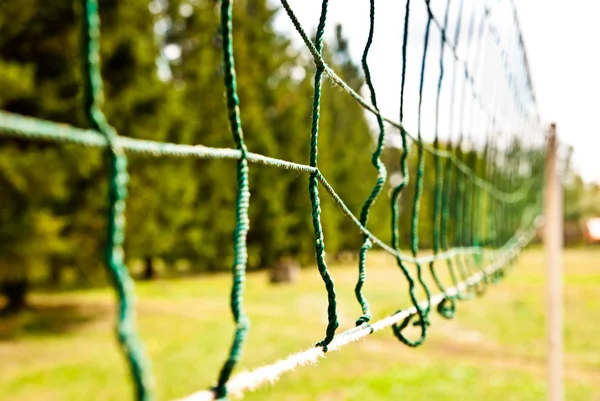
(54, 197)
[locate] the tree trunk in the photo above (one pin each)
(16, 295)
(55, 274)
(285, 270)
(149, 269)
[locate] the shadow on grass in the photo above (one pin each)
(44, 318)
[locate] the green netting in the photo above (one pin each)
(494, 198)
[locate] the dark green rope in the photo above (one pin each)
(492, 209)
(470, 201)
(446, 308)
(447, 183)
(381, 177)
(469, 210)
(414, 227)
(422, 313)
(501, 217)
(460, 177)
(476, 204)
(313, 189)
(490, 154)
(242, 202)
(128, 337)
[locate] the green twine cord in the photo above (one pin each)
(459, 222)
(381, 177)
(397, 329)
(447, 183)
(127, 335)
(491, 239)
(469, 200)
(444, 227)
(477, 226)
(471, 263)
(446, 308)
(414, 232)
(242, 203)
(473, 207)
(460, 178)
(313, 189)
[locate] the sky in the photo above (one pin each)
(564, 63)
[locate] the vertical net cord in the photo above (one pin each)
(381, 177)
(483, 233)
(460, 179)
(503, 217)
(495, 176)
(490, 163)
(525, 128)
(493, 231)
(521, 126)
(469, 207)
(507, 171)
(449, 167)
(313, 190)
(242, 203)
(514, 163)
(446, 308)
(405, 179)
(488, 239)
(422, 312)
(518, 122)
(498, 212)
(416, 207)
(139, 364)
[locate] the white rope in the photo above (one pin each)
(249, 381)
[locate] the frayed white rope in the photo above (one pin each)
(249, 381)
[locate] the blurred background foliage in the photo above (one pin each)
(161, 64)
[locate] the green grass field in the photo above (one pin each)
(63, 349)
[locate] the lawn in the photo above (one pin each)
(63, 348)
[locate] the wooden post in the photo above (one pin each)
(553, 242)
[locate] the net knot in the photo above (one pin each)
(423, 322)
(363, 319)
(220, 392)
(447, 308)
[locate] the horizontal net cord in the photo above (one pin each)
(495, 192)
(32, 128)
(249, 381)
(15, 125)
(19, 126)
(409, 259)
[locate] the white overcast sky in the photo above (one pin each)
(560, 42)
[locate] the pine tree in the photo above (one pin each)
(59, 192)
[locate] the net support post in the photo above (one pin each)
(553, 244)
